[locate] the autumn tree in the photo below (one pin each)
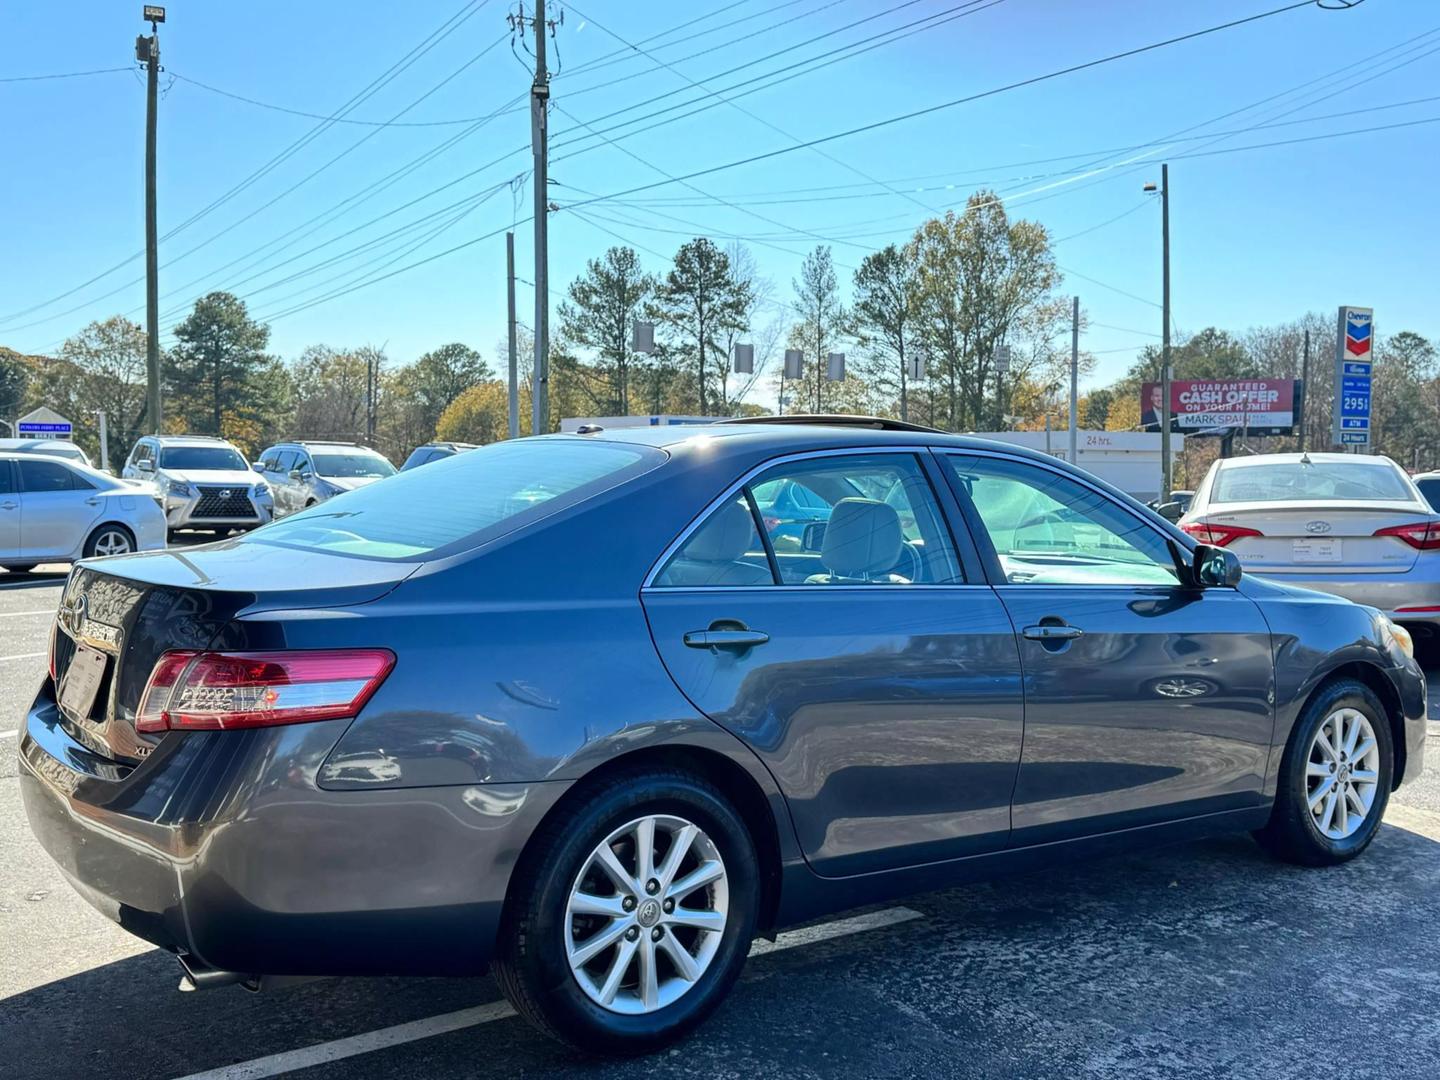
(109, 358)
(478, 415)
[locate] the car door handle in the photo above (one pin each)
(1049, 632)
(739, 638)
(92, 502)
(8, 505)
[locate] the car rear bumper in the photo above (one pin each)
(1391, 593)
(219, 846)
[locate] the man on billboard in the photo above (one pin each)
(1152, 407)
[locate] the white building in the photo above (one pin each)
(1128, 459)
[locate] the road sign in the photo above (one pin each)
(153, 13)
(1353, 339)
(43, 423)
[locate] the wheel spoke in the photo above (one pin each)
(710, 921)
(1363, 750)
(702, 875)
(644, 851)
(1342, 812)
(678, 847)
(1329, 814)
(1314, 769)
(649, 977)
(1365, 776)
(1353, 797)
(680, 957)
(610, 863)
(597, 943)
(590, 904)
(1319, 793)
(1324, 744)
(1353, 735)
(618, 967)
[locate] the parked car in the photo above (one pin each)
(434, 451)
(1429, 485)
(1350, 524)
(61, 448)
(561, 705)
(303, 474)
(1175, 508)
(202, 482)
(56, 510)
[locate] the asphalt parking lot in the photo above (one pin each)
(1202, 960)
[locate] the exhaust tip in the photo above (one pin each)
(197, 976)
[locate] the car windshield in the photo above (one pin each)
(1295, 481)
(352, 465)
(201, 457)
(465, 496)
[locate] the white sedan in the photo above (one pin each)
(53, 510)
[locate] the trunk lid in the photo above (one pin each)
(132, 609)
(1321, 536)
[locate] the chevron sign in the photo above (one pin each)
(1353, 338)
(1357, 332)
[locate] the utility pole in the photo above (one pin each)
(539, 102)
(1305, 391)
(104, 440)
(1074, 381)
(372, 378)
(514, 360)
(1166, 473)
(147, 51)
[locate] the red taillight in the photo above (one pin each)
(205, 691)
(1421, 535)
(1210, 532)
(773, 523)
(1416, 609)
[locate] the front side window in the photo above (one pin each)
(1048, 529)
(863, 519)
(352, 465)
(467, 499)
(185, 458)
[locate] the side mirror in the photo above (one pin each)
(1171, 511)
(814, 537)
(1214, 567)
(258, 466)
(296, 474)
(145, 466)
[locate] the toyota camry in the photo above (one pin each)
(562, 707)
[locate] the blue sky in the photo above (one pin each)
(1258, 236)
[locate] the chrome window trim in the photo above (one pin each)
(915, 451)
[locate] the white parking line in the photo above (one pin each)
(23, 656)
(18, 614)
(8, 734)
(370, 1041)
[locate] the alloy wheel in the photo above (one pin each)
(1342, 773)
(112, 542)
(646, 914)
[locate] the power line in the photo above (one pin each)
(375, 85)
(1033, 80)
(62, 75)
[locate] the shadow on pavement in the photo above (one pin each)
(1207, 959)
(34, 579)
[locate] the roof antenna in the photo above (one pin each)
(1305, 458)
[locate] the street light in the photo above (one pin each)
(1165, 464)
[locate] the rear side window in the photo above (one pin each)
(7, 485)
(463, 498)
(1297, 482)
(40, 476)
(1430, 488)
(862, 519)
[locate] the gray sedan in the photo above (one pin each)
(562, 706)
(1351, 524)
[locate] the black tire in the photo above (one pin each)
(1291, 833)
(531, 965)
(109, 527)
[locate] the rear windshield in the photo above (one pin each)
(352, 465)
(1297, 482)
(201, 457)
(420, 512)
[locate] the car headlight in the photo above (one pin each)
(1399, 635)
(179, 489)
(261, 491)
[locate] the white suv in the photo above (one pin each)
(201, 482)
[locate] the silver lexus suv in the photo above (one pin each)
(201, 482)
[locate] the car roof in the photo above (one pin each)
(10, 443)
(187, 440)
(324, 442)
(794, 437)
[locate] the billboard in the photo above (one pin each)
(1262, 406)
(1352, 376)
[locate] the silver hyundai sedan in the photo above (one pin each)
(1350, 524)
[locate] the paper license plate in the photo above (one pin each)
(1318, 551)
(82, 682)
